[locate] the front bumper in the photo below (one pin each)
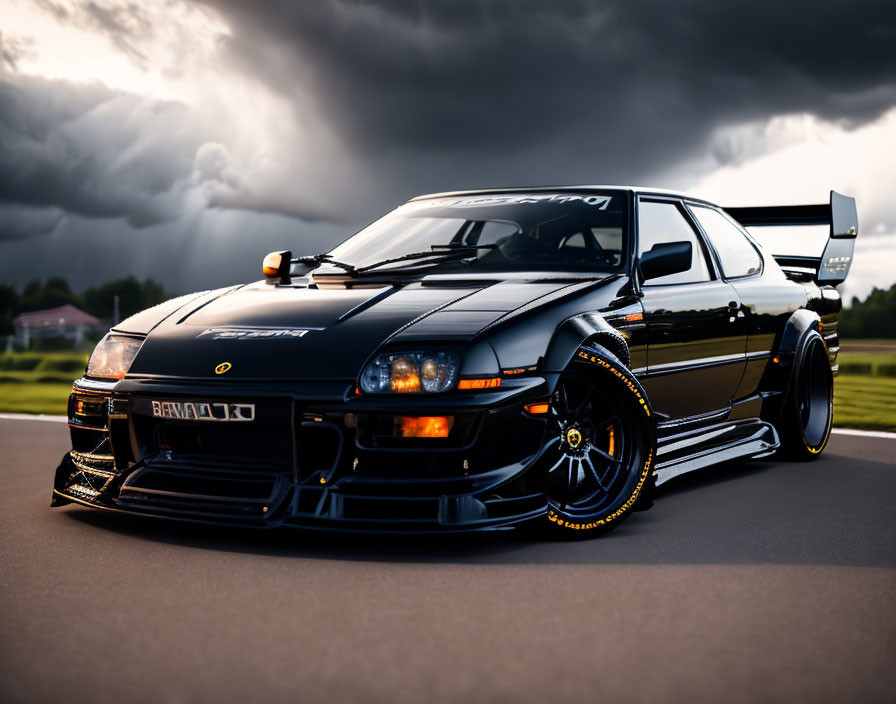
(315, 456)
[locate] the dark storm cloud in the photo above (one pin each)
(20, 221)
(447, 94)
(89, 150)
(424, 96)
(204, 249)
(393, 98)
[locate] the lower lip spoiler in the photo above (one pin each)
(284, 503)
(330, 524)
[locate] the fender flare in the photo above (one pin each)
(583, 330)
(793, 341)
(795, 329)
(790, 350)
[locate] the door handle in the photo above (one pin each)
(735, 310)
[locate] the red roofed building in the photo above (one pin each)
(65, 321)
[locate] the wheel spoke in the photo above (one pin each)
(594, 472)
(557, 463)
(582, 408)
(585, 413)
(603, 453)
(615, 474)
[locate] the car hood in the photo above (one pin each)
(280, 332)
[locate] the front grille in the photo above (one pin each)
(265, 445)
(265, 442)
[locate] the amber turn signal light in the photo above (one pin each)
(425, 426)
(537, 408)
(276, 266)
(467, 384)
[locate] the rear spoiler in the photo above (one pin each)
(840, 214)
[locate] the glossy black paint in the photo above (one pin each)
(710, 355)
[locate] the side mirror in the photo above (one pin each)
(666, 258)
(276, 267)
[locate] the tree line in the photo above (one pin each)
(873, 317)
(133, 296)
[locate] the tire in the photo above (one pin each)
(597, 457)
(808, 411)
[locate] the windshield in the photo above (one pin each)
(496, 232)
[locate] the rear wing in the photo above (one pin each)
(840, 214)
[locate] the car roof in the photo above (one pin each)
(639, 190)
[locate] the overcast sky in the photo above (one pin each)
(181, 141)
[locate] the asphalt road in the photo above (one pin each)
(753, 582)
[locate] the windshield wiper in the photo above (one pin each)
(452, 250)
(459, 245)
(318, 259)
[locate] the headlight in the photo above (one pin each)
(411, 372)
(113, 356)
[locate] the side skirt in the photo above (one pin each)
(706, 446)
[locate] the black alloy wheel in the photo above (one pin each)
(597, 454)
(809, 410)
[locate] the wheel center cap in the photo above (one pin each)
(573, 437)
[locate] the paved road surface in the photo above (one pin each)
(757, 582)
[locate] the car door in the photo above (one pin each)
(768, 298)
(695, 348)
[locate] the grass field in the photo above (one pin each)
(34, 398)
(38, 382)
(864, 393)
(865, 390)
(862, 401)
(868, 357)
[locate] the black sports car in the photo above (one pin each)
(472, 360)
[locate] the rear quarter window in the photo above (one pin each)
(737, 255)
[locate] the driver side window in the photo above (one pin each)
(660, 222)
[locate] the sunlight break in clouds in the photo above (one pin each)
(270, 153)
(158, 50)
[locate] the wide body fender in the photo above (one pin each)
(781, 372)
(584, 329)
(795, 329)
